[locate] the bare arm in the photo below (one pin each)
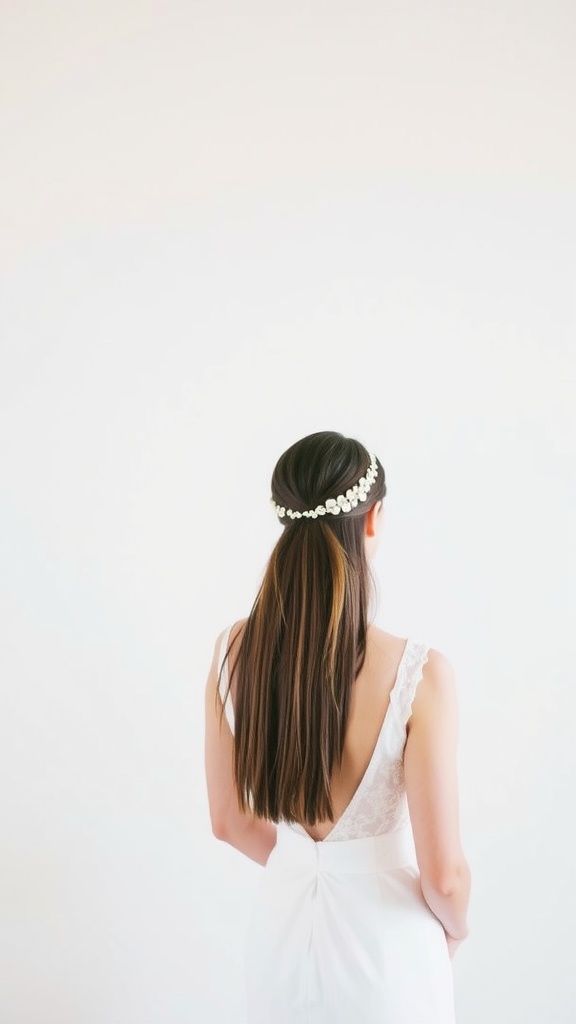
(432, 789)
(252, 836)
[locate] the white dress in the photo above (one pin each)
(340, 932)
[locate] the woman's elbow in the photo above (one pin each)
(448, 879)
(220, 822)
(219, 830)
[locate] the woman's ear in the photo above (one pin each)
(373, 520)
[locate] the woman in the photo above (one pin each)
(331, 760)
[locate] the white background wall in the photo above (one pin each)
(225, 225)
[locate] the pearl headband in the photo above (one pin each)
(343, 503)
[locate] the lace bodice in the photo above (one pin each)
(379, 804)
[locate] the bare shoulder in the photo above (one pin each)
(438, 672)
(436, 693)
(234, 630)
(232, 633)
(237, 628)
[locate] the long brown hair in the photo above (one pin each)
(304, 641)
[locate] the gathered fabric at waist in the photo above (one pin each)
(358, 856)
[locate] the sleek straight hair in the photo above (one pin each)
(304, 641)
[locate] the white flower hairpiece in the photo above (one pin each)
(343, 503)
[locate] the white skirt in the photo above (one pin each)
(341, 934)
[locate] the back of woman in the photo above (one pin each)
(330, 759)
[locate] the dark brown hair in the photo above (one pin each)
(305, 639)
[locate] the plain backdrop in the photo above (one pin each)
(225, 225)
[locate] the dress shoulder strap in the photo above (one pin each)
(223, 679)
(409, 675)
